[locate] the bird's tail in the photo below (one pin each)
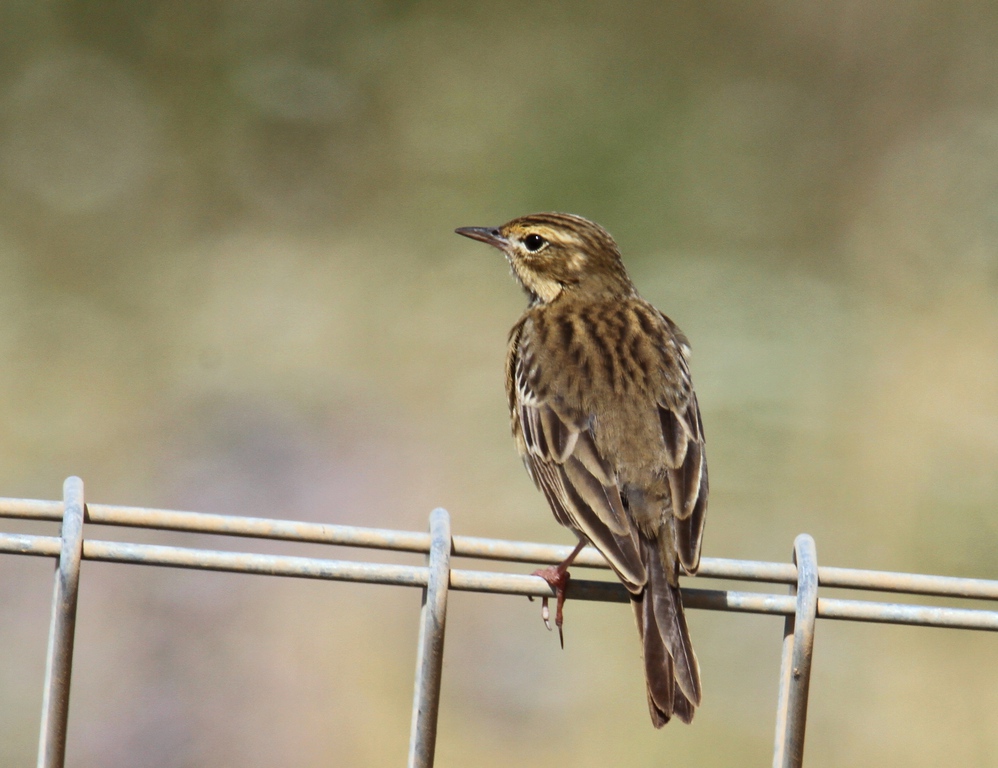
(671, 668)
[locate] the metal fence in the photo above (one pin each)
(801, 607)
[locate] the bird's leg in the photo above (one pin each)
(558, 577)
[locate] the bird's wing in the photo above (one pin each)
(578, 483)
(686, 465)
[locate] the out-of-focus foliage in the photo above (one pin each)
(228, 282)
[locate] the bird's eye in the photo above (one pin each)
(534, 242)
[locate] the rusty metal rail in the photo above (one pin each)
(800, 608)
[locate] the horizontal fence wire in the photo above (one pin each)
(494, 550)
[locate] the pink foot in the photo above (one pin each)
(558, 577)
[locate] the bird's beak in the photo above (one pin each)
(490, 235)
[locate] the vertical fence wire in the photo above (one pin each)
(795, 667)
(59, 659)
(430, 651)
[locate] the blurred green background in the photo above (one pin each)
(229, 283)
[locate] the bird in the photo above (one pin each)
(604, 415)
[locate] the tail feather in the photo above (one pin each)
(671, 669)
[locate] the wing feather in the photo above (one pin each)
(577, 482)
(589, 456)
(603, 499)
(688, 484)
(676, 434)
(560, 437)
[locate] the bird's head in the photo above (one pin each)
(554, 253)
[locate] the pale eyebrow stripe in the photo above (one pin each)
(561, 237)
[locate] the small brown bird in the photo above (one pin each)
(604, 415)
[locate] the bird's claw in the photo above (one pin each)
(558, 580)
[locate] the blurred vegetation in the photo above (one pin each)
(228, 282)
